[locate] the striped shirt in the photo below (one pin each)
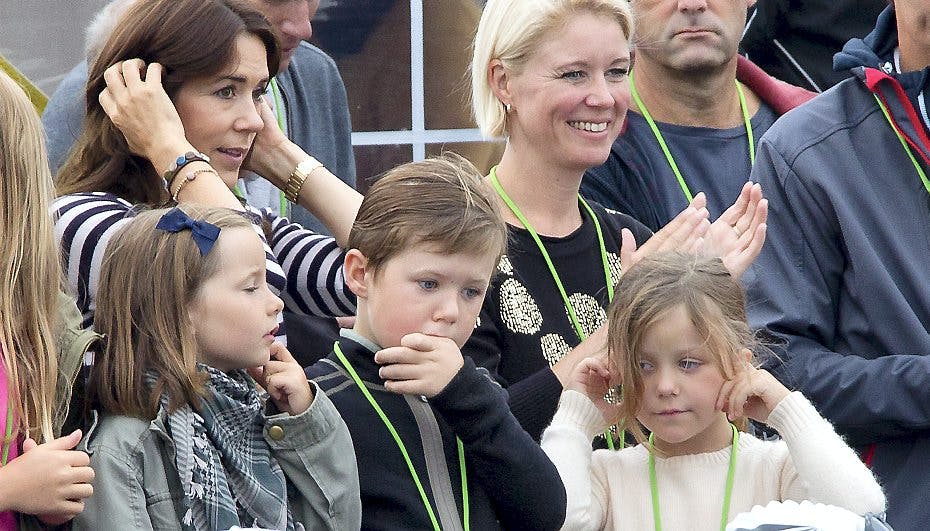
(304, 268)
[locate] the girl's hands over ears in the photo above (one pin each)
(751, 392)
(285, 381)
(594, 378)
(50, 480)
(421, 365)
(138, 105)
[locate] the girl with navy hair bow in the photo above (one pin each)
(182, 437)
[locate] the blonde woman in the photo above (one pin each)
(551, 77)
(49, 480)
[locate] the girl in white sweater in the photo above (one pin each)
(677, 344)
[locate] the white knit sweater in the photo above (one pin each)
(610, 489)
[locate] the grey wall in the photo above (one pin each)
(45, 38)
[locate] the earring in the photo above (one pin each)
(507, 107)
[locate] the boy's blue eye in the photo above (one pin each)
(428, 284)
(471, 293)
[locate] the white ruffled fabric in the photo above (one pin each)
(805, 515)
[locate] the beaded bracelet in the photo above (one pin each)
(180, 162)
(190, 177)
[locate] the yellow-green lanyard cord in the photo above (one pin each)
(8, 435)
(727, 493)
(664, 146)
(403, 448)
(555, 274)
(907, 149)
(279, 114)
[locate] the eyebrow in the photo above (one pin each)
(242, 79)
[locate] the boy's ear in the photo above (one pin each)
(356, 272)
(500, 81)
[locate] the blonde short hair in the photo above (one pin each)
(510, 30)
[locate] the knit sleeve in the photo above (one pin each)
(567, 442)
(822, 467)
(312, 266)
(84, 224)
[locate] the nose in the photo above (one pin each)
(666, 382)
(600, 94)
(298, 28)
(276, 305)
(249, 119)
(447, 309)
(692, 5)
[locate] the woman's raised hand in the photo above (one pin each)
(138, 105)
(684, 233)
(738, 234)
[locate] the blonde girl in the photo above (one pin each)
(677, 342)
(182, 438)
(48, 479)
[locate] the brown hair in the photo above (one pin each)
(657, 284)
(191, 39)
(147, 280)
(30, 275)
(440, 201)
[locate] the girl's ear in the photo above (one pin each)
(356, 271)
(500, 81)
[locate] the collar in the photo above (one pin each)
(360, 351)
(780, 96)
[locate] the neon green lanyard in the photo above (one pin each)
(727, 493)
(907, 149)
(403, 448)
(555, 274)
(8, 435)
(664, 146)
(279, 114)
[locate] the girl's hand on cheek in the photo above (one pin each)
(285, 381)
(138, 105)
(752, 392)
(594, 378)
(421, 365)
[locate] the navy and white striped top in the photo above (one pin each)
(304, 268)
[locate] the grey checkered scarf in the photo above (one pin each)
(225, 465)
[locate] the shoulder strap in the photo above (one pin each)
(73, 342)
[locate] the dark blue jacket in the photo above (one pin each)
(844, 278)
(511, 482)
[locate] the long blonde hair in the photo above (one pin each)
(713, 299)
(30, 275)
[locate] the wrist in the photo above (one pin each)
(298, 177)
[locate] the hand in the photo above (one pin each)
(593, 345)
(50, 479)
(752, 392)
(285, 381)
(143, 112)
(684, 233)
(267, 146)
(421, 365)
(593, 377)
(738, 234)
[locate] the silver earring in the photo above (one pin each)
(507, 107)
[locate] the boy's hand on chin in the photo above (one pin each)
(421, 365)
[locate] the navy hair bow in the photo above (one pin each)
(203, 232)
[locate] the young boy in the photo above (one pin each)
(436, 444)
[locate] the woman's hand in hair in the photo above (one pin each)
(138, 105)
(686, 233)
(738, 234)
(594, 377)
(50, 480)
(751, 392)
(285, 381)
